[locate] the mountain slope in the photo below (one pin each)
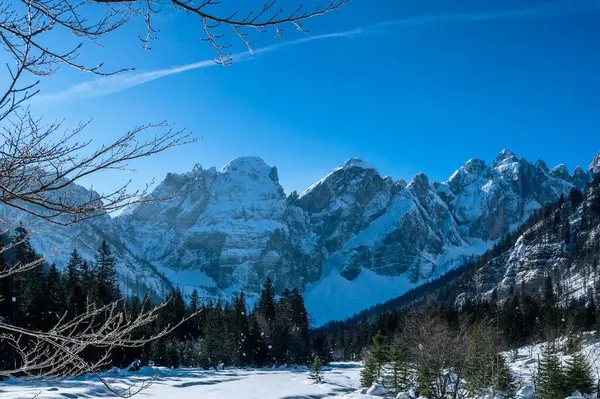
(349, 241)
(563, 245)
(560, 241)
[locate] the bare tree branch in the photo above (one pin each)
(40, 162)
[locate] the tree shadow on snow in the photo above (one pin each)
(345, 365)
(206, 382)
(334, 392)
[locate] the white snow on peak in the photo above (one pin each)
(354, 163)
(505, 157)
(560, 171)
(350, 163)
(244, 164)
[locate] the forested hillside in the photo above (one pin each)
(538, 282)
(274, 332)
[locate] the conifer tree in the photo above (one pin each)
(550, 311)
(105, 275)
(374, 364)
(425, 377)
(194, 301)
(505, 382)
(240, 331)
(87, 278)
(368, 375)
(550, 376)
(265, 314)
(316, 370)
(266, 302)
(30, 293)
(54, 303)
(398, 378)
(578, 372)
(590, 314)
(77, 281)
(299, 331)
(73, 272)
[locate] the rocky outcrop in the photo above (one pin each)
(226, 230)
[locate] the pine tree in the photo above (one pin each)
(266, 302)
(194, 302)
(280, 338)
(30, 283)
(105, 275)
(504, 380)
(376, 359)
(265, 315)
(77, 280)
(398, 378)
(578, 372)
(316, 370)
(73, 272)
(368, 375)
(550, 375)
(87, 278)
(54, 303)
(425, 378)
(590, 314)
(299, 331)
(241, 338)
(513, 323)
(550, 311)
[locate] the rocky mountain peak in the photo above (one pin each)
(420, 181)
(252, 167)
(580, 178)
(594, 167)
(543, 166)
(474, 165)
(355, 163)
(504, 157)
(561, 172)
(578, 171)
(344, 239)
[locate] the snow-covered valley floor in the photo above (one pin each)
(340, 380)
(281, 383)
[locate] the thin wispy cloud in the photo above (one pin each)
(108, 85)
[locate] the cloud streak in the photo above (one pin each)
(108, 85)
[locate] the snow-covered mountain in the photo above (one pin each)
(351, 240)
(562, 244)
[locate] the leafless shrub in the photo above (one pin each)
(39, 162)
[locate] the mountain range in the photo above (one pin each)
(351, 240)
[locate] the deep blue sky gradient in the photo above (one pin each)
(448, 81)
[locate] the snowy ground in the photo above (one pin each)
(283, 383)
(341, 380)
(526, 361)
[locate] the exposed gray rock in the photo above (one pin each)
(594, 167)
(226, 230)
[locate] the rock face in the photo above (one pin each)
(217, 231)
(489, 201)
(344, 239)
(56, 243)
(562, 244)
(594, 167)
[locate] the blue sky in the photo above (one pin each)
(406, 85)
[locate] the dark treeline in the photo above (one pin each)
(274, 332)
(538, 311)
(524, 319)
